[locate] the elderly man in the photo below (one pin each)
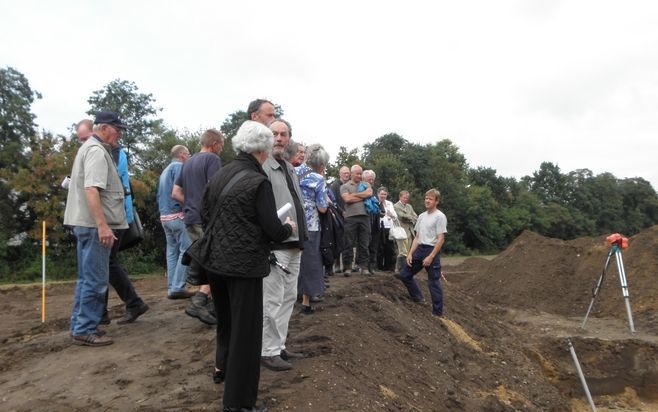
(280, 288)
(373, 245)
(83, 129)
(357, 221)
(188, 190)
(171, 218)
(94, 208)
(407, 218)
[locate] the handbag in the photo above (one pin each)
(134, 234)
(204, 242)
(397, 232)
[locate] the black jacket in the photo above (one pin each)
(237, 241)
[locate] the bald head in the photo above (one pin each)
(356, 173)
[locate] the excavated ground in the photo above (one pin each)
(500, 347)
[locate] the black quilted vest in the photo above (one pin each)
(235, 245)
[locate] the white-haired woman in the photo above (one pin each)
(312, 183)
(240, 221)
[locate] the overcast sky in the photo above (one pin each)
(511, 83)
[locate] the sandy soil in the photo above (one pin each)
(501, 346)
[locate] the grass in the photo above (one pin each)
(454, 260)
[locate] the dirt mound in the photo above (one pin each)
(368, 348)
(556, 276)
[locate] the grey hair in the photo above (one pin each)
(292, 149)
(210, 136)
(253, 137)
(367, 173)
(316, 157)
(178, 150)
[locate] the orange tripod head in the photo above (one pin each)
(618, 240)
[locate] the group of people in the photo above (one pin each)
(252, 231)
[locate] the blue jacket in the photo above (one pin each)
(122, 168)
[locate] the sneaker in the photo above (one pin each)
(93, 339)
(286, 355)
(200, 311)
(316, 299)
(275, 363)
(356, 269)
(132, 314)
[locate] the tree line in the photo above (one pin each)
(485, 211)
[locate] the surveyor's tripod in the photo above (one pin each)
(615, 250)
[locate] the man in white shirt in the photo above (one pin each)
(430, 229)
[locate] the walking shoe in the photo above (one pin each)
(370, 271)
(132, 314)
(198, 308)
(183, 294)
(316, 299)
(218, 377)
(286, 355)
(93, 339)
(105, 320)
(261, 408)
(275, 363)
(211, 308)
(307, 310)
(356, 269)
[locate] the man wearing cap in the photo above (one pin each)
(94, 208)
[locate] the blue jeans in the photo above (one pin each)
(433, 275)
(177, 243)
(93, 275)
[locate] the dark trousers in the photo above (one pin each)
(239, 306)
(373, 246)
(433, 274)
(385, 259)
(119, 277)
(357, 233)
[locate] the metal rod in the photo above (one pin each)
(597, 288)
(580, 374)
(624, 289)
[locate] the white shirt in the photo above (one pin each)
(430, 226)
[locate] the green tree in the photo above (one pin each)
(229, 129)
(17, 132)
(137, 110)
(344, 158)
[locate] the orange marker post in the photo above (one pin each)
(43, 272)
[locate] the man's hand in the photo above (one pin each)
(428, 261)
(292, 224)
(106, 236)
(410, 258)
